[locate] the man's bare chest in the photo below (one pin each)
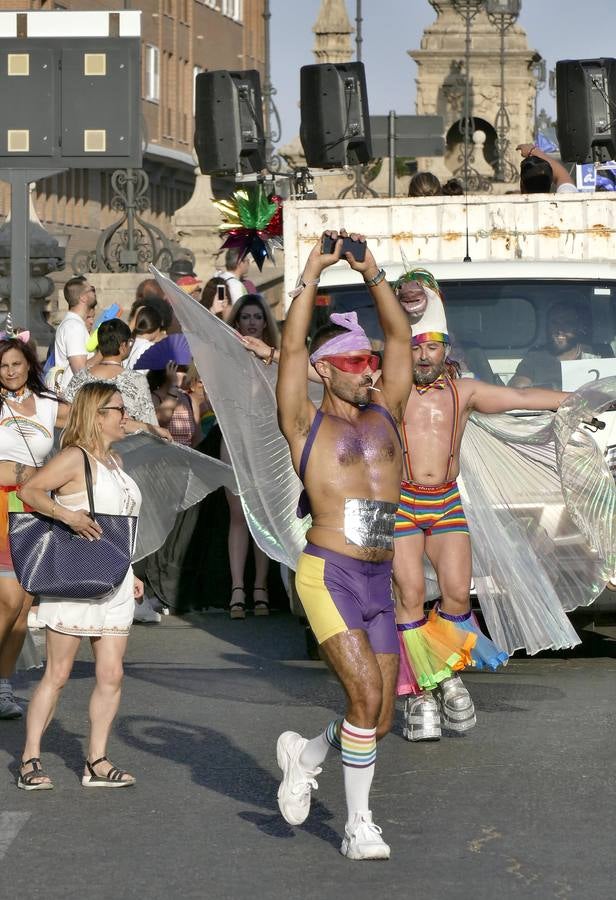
(368, 443)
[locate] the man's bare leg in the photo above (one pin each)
(450, 554)
(388, 664)
(368, 682)
(408, 574)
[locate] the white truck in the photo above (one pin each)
(525, 254)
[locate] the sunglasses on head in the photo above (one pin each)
(354, 364)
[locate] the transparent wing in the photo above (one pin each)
(540, 502)
(171, 478)
(242, 393)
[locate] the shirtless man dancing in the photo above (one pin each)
(431, 520)
(349, 457)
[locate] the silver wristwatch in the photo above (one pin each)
(380, 275)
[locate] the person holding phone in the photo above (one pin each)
(215, 297)
(348, 454)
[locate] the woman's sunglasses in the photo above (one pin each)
(354, 364)
(120, 409)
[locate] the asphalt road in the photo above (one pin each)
(522, 807)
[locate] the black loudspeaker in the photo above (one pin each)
(229, 122)
(586, 109)
(335, 126)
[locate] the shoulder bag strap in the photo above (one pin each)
(89, 491)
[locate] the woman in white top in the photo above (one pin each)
(28, 415)
(96, 420)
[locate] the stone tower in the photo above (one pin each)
(333, 32)
(440, 88)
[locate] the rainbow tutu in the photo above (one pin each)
(431, 650)
(485, 653)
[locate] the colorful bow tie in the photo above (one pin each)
(439, 384)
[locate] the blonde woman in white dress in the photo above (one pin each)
(97, 419)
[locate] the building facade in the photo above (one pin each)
(441, 88)
(179, 39)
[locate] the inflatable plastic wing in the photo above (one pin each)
(541, 508)
(171, 478)
(242, 393)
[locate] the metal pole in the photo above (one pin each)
(20, 250)
(267, 85)
(502, 111)
(467, 95)
(391, 137)
(358, 30)
(130, 211)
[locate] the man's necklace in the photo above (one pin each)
(20, 396)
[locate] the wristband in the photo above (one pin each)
(371, 282)
(301, 285)
(270, 358)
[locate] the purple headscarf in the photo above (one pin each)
(354, 338)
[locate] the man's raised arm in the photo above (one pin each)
(294, 406)
(397, 370)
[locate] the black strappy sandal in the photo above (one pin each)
(114, 777)
(261, 607)
(237, 608)
(26, 781)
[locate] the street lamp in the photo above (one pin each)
(540, 72)
(468, 9)
(358, 30)
(272, 135)
(503, 14)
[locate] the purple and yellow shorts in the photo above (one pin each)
(430, 509)
(340, 594)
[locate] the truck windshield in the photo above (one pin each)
(500, 328)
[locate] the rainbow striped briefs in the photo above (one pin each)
(358, 746)
(430, 509)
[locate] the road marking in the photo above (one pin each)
(11, 824)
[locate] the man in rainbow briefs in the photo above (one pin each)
(348, 455)
(431, 520)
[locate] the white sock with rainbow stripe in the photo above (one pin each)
(358, 747)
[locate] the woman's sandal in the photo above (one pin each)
(26, 781)
(113, 778)
(261, 607)
(237, 608)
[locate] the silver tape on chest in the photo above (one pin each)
(369, 523)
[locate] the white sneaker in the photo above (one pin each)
(9, 708)
(362, 839)
(145, 613)
(422, 720)
(456, 705)
(297, 782)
